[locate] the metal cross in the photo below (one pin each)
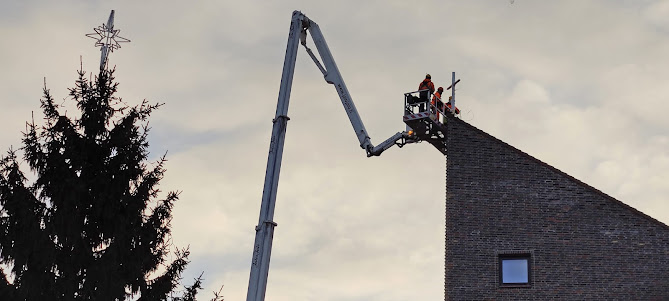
(107, 39)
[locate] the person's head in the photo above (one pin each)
(428, 76)
(440, 89)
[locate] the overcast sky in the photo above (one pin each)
(580, 85)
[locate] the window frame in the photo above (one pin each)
(511, 256)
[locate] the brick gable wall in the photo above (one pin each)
(584, 244)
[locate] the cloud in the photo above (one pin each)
(579, 85)
(657, 12)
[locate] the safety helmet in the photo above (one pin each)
(428, 76)
(440, 89)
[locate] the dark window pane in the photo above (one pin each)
(515, 270)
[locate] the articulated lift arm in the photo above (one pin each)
(332, 76)
(265, 230)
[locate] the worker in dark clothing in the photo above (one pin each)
(428, 86)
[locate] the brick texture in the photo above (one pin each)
(585, 245)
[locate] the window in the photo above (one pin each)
(514, 269)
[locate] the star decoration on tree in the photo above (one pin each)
(107, 37)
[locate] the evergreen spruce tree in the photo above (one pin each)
(91, 225)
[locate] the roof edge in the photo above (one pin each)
(577, 181)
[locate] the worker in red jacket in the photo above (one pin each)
(437, 103)
(427, 85)
(448, 105)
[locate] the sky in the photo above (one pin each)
(580, 85)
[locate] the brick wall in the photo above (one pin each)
(584, 245)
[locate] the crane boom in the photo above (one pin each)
(332, 76)
(265, 228)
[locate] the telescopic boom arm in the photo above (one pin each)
(265, 230)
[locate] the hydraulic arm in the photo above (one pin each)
(299, 26)
(332, 76)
